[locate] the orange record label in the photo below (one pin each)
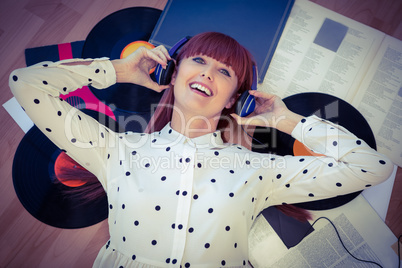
(62, 164)
(300, 149)
(133, 46)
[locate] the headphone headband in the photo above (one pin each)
(175, 49)
(164, 76)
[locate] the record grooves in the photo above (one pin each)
(324, 106)
(109, 38)
(45, 199)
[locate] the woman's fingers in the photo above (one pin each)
(251, 120)
(263, 97)
(164, 51)
(136, 66)
(155, 86)
(160, 55)
(269, 109)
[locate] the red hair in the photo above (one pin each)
(220, 47)
(297, 213)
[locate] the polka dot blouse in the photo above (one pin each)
(181, 202)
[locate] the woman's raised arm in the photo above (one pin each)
(37, 89)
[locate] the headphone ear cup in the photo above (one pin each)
(245, 105)
(240, 102)
(165, 76)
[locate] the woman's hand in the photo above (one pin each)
(270, 111)
(136, 67)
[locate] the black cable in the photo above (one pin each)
(251, 136)
(340, 239)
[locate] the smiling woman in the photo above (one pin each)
(234, 61)
(196, 209)
(219, 83)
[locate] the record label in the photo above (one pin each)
(299, 149)
(133, 46)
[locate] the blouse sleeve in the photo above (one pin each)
(348, 165)
(37, 89)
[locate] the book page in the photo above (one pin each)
(321, 51)
(364, 234)
(379, 99)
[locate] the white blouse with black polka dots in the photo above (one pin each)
(176, 201)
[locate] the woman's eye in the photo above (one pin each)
(225, 72)
(199, 60)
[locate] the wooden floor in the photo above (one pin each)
(26, 242)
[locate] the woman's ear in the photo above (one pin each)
(232, 101)
(173, 79)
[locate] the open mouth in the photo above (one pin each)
(202, 89)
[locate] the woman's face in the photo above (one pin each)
(204, 86)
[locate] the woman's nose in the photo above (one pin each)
(207, 74)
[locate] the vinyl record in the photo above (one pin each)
(324, 106)
(39, 191)
(109, 38)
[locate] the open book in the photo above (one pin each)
(323, 51)
(364, 234)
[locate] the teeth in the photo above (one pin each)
(201, 88)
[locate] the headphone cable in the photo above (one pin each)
(251, 136)
(343, 245)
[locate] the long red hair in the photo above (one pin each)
(81, 184)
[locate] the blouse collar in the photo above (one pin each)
(208, 140)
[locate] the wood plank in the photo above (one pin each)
(381, 15)
(58, 24)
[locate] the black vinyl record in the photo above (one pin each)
(108, 38)
(324, 106)
(41, 194)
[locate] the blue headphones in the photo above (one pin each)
(245, 104)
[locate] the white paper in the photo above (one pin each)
(17, 113)
(379, 196)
